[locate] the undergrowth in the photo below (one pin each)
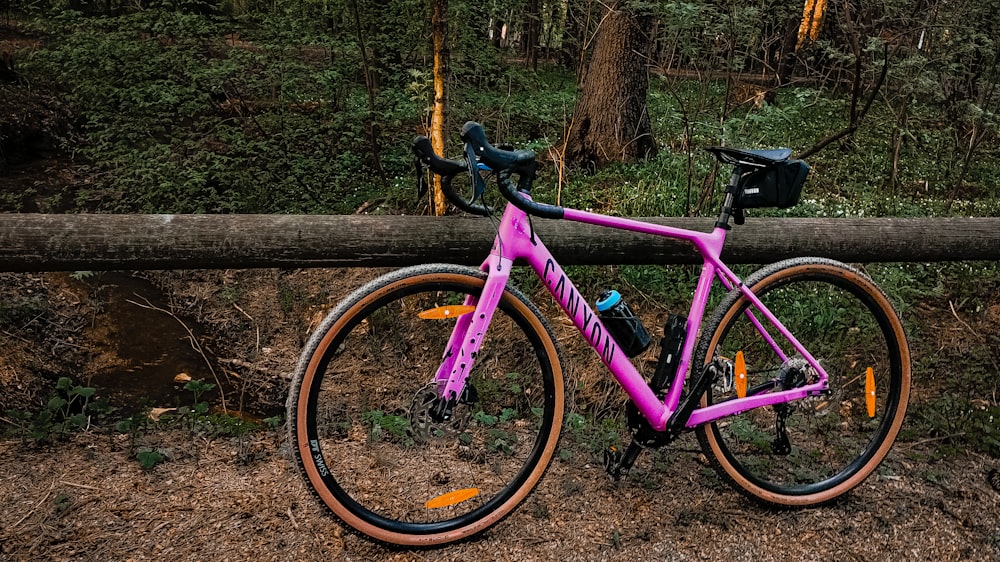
(73, 408)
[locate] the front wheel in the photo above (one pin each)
(363, 418)
(829, 443)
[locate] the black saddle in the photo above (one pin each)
(749, 156)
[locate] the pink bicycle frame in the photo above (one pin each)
(515, 240)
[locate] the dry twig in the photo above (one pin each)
(195, 344)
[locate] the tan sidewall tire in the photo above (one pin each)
(708, 435)
(308, 371)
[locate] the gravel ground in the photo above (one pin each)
(243, 499)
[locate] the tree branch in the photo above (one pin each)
(856, 122)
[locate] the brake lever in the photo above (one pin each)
(478, 183)
(421, 177)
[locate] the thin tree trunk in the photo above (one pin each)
(898, 136)
(370, 86)
(853, 125)
(786, 57)
(531, 33)
(439, 111)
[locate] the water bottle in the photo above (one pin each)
(622, 323)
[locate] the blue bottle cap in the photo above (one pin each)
(608, 299)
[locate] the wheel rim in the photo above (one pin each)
(381, 463)
(835, 444)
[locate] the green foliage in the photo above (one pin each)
(178, 120)
(286, 299)
(62, 502)
(955, 425)
(592, 435)
(82, 275)
(65, 411)
(181, 110)
(498, 440)
(198, 419)
(135, 425)
(388, 427)
(201, 420)
(239, 107)
(199, 388)
(18, 312)
(149, 458)
(274, 422)
(670, 287)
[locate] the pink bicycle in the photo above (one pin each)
(428, 404)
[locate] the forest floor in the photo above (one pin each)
(242, 498)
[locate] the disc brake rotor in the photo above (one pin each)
(423, 421)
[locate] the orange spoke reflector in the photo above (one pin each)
(740, 371)
(442, 312)
(452, 498)
(870, 391)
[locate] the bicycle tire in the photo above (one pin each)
(358, 410)
(842, 317)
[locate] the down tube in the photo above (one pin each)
(593, 331)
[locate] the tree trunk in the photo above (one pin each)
(531, 33)
(371, 86)
(786, 56)
(812, 22)
(439, 111)
(611, 121)
(573, 35)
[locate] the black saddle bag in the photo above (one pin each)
(777, 185)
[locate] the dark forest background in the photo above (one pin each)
(309, 106)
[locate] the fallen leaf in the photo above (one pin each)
(155, 413)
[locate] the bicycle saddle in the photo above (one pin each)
(749, 156)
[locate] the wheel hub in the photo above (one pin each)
(431, 417)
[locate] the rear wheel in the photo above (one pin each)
(834, 441)
(363, 419)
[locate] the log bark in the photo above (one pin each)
(36, 242)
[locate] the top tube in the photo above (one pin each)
(707, 243)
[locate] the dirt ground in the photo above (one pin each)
(242, 498)
(89, 500)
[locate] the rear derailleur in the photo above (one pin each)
(795, 372)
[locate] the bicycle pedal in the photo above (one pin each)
(612, 462)
(617, 464)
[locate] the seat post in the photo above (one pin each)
(727, 200)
